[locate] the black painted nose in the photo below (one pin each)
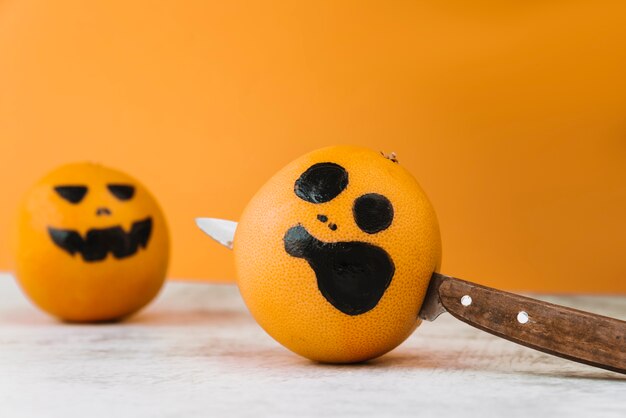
(103, 211)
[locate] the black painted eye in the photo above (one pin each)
(321, 182)
(373, 212)
(72, 194)
(121, 191)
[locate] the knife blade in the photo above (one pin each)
(576, 335)
(221, 230)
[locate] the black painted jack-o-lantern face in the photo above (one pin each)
(92, 244)
(99, 242)
(351, 275)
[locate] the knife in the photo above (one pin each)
(576, 335)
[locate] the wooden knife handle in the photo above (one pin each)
(569, 333)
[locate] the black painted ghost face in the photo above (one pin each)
(97, 243)
(351, 275)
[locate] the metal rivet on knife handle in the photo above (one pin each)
(522, 317)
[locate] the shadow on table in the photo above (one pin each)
(27, 317)
(156, 318)
(534, 364)
(150, 318)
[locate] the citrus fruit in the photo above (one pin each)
(335, 252)
(92, 244)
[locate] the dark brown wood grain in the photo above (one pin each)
(565, 332)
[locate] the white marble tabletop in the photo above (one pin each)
(197, 352)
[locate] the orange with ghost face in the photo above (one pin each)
(335, 252)
(92, 244)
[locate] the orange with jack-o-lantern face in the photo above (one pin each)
(335, 252)
(92, 244)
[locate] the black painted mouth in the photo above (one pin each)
(99, 242)
(352, 276)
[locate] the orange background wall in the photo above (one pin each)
(512, 115)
